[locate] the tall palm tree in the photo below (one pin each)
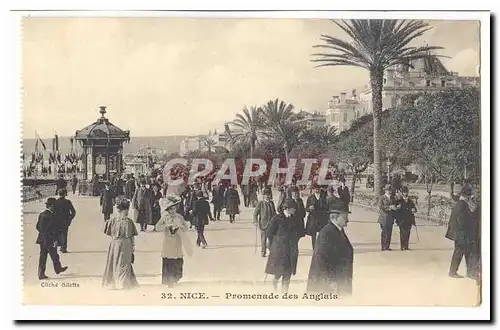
(375, 45)
(247, 127)
(281, 123)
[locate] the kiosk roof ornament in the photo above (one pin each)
(102, 129)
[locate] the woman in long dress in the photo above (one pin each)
(232, 203)
(173, 226)
(119, 273)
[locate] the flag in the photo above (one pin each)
(56, 142)
(41, 142)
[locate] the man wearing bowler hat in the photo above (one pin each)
(332, 261)
(48, 232)
(461, 230)
(262, 215)
(65, 213)
(387, 209)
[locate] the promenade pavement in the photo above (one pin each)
(231, 264)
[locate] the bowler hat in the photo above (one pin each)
(51, 201)
(336, 206)
(289, 204)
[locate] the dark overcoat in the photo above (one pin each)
(48, 228)
(201, 212)
(460, 228)
(106, 201)
(317, 218)
(284, 236)
(65, 211)
(129, 188)
(332, 263)
(345, 195)
(264, 213)
(385, 215)
(119, 187)
(142, 202)
(156, 211)
(300, 214)
(218, 196)
(232, 202)
(404, 216)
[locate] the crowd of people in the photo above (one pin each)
(324, 215)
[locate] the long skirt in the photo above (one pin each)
(171, 271)
(119, 273)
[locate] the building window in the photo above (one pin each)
(345, 117)
(443, 83)
(427, 82)
(385, 81)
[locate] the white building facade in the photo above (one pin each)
(342, 110)
(426, 75)
(202, 142)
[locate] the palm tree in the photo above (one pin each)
(281, 123)
(322, 137)
(247, 127)
(376, 45)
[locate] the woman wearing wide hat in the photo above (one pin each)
(119, 273)
(173, 226)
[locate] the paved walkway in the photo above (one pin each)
(230, 265)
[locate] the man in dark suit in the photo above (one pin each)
(61, 183)
(343, 192)
(130, 187)
(300, 214)
(387, 209)
(65, 213)
(262, 215)
(107, 200)
(332, 261)
(218, 199)
(201, 214)
(461, 231)
(48, 232)
(317, 207)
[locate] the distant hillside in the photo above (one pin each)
(170, 143)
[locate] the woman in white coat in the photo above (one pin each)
(175, 241)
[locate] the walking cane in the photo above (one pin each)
(416, 231)
(255, 250)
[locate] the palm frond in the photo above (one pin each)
(374, 44)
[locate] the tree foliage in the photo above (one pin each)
(375, 45)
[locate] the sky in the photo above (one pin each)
(180, 76)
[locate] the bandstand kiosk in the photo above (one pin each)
(102, 156)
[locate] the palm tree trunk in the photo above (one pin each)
(376, 80)
(286, 152)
